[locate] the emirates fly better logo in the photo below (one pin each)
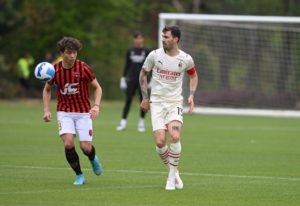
(70, 88)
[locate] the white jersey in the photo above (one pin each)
(167, 74)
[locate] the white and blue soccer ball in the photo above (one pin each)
(44, 71)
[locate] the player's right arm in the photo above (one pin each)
(144, 90)
(147, 67)
(46, 102)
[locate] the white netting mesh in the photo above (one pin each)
(243, 64)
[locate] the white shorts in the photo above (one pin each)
(68, 122)
(163, 113)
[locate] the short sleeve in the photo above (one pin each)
(149, 62)
(51, 81)
(190, 63)
(88, 72)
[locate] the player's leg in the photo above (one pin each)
(158, 113)
(162, 148)
(67, 131)
(89, 150)
(129, 95)
(72, 157)
(174, 129)
(141, 123)
(85, 132)
(174, 122)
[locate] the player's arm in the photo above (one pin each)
(94, 112)
(46, 101)
(144, 89)
(193, 86)
(127, 63)
(123, 84)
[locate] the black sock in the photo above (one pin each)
(73, 160)
(92, 153)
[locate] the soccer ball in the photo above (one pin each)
(44, 71)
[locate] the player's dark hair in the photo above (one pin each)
(69, 43)
(137, 34)
(175, 31)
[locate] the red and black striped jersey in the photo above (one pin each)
(73, 87)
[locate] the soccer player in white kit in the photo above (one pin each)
(168, 65)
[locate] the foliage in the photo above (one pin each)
(104, 27)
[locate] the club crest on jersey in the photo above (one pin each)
(70, 88)
(76, 74)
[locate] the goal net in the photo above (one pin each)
(246, 64)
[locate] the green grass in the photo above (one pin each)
(226, 160)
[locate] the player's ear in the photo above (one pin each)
(176, 39)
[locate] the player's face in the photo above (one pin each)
(138, 41)
(168, 40)
(69, 56)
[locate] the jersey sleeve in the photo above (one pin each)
(127, 63)
(149, 62)
(51, 81)
(88, 72)
(190, 67)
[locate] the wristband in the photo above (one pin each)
(96, 105)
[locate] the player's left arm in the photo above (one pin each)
(193, 86)
(94, 112)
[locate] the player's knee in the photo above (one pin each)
(68, 145)
(175, 137)
(160, 138)
(160, 144)
(86, 148)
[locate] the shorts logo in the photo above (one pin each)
(91, 132)
(70, 88)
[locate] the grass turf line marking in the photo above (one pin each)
(160, 172)
(81, 189)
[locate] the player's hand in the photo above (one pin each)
(47, 116)
(123, 84)
(94, 112)
(145, 105)
(191, 103)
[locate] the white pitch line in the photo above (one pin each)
(160, 172)
(81, 189)
(209, 175)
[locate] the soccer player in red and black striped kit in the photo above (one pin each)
(73, 79)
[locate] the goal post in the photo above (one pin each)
(247, 65)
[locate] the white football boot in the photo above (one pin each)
(141, 125)
(178, 181)
(170, 185)
(122, 125)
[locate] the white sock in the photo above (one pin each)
(163, 154)
(174, 156)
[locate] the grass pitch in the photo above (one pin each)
(225, 160)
